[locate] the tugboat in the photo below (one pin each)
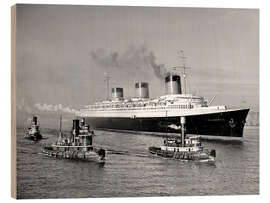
(186, 149)
(78, 147)
(33, 132)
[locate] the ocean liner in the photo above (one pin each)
(161, 114)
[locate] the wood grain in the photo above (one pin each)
(13, 102)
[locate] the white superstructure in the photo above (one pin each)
(168, 105)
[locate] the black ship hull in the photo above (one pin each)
(227, 123)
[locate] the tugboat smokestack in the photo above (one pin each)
(34, 120)
(76, 126)
(183, 122)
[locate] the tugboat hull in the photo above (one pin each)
(33, 137)
(97, 155)
(202, 156)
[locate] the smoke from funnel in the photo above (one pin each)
(133, 57)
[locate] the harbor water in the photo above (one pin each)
(130, 170)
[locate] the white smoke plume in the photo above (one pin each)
(55, 108)
(25, 106)
(133, 57)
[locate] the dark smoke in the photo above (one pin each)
(133, 57)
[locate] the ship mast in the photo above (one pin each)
(61, 124)
(107, 80)
(60, 132)
(184, 67)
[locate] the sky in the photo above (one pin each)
(64, 52)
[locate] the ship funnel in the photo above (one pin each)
(34, 120)
(142, 90)
(173, 84)
(117, 93)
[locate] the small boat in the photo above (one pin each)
(192, 150)
(33, 132)
(186, 149)
(78, 147)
